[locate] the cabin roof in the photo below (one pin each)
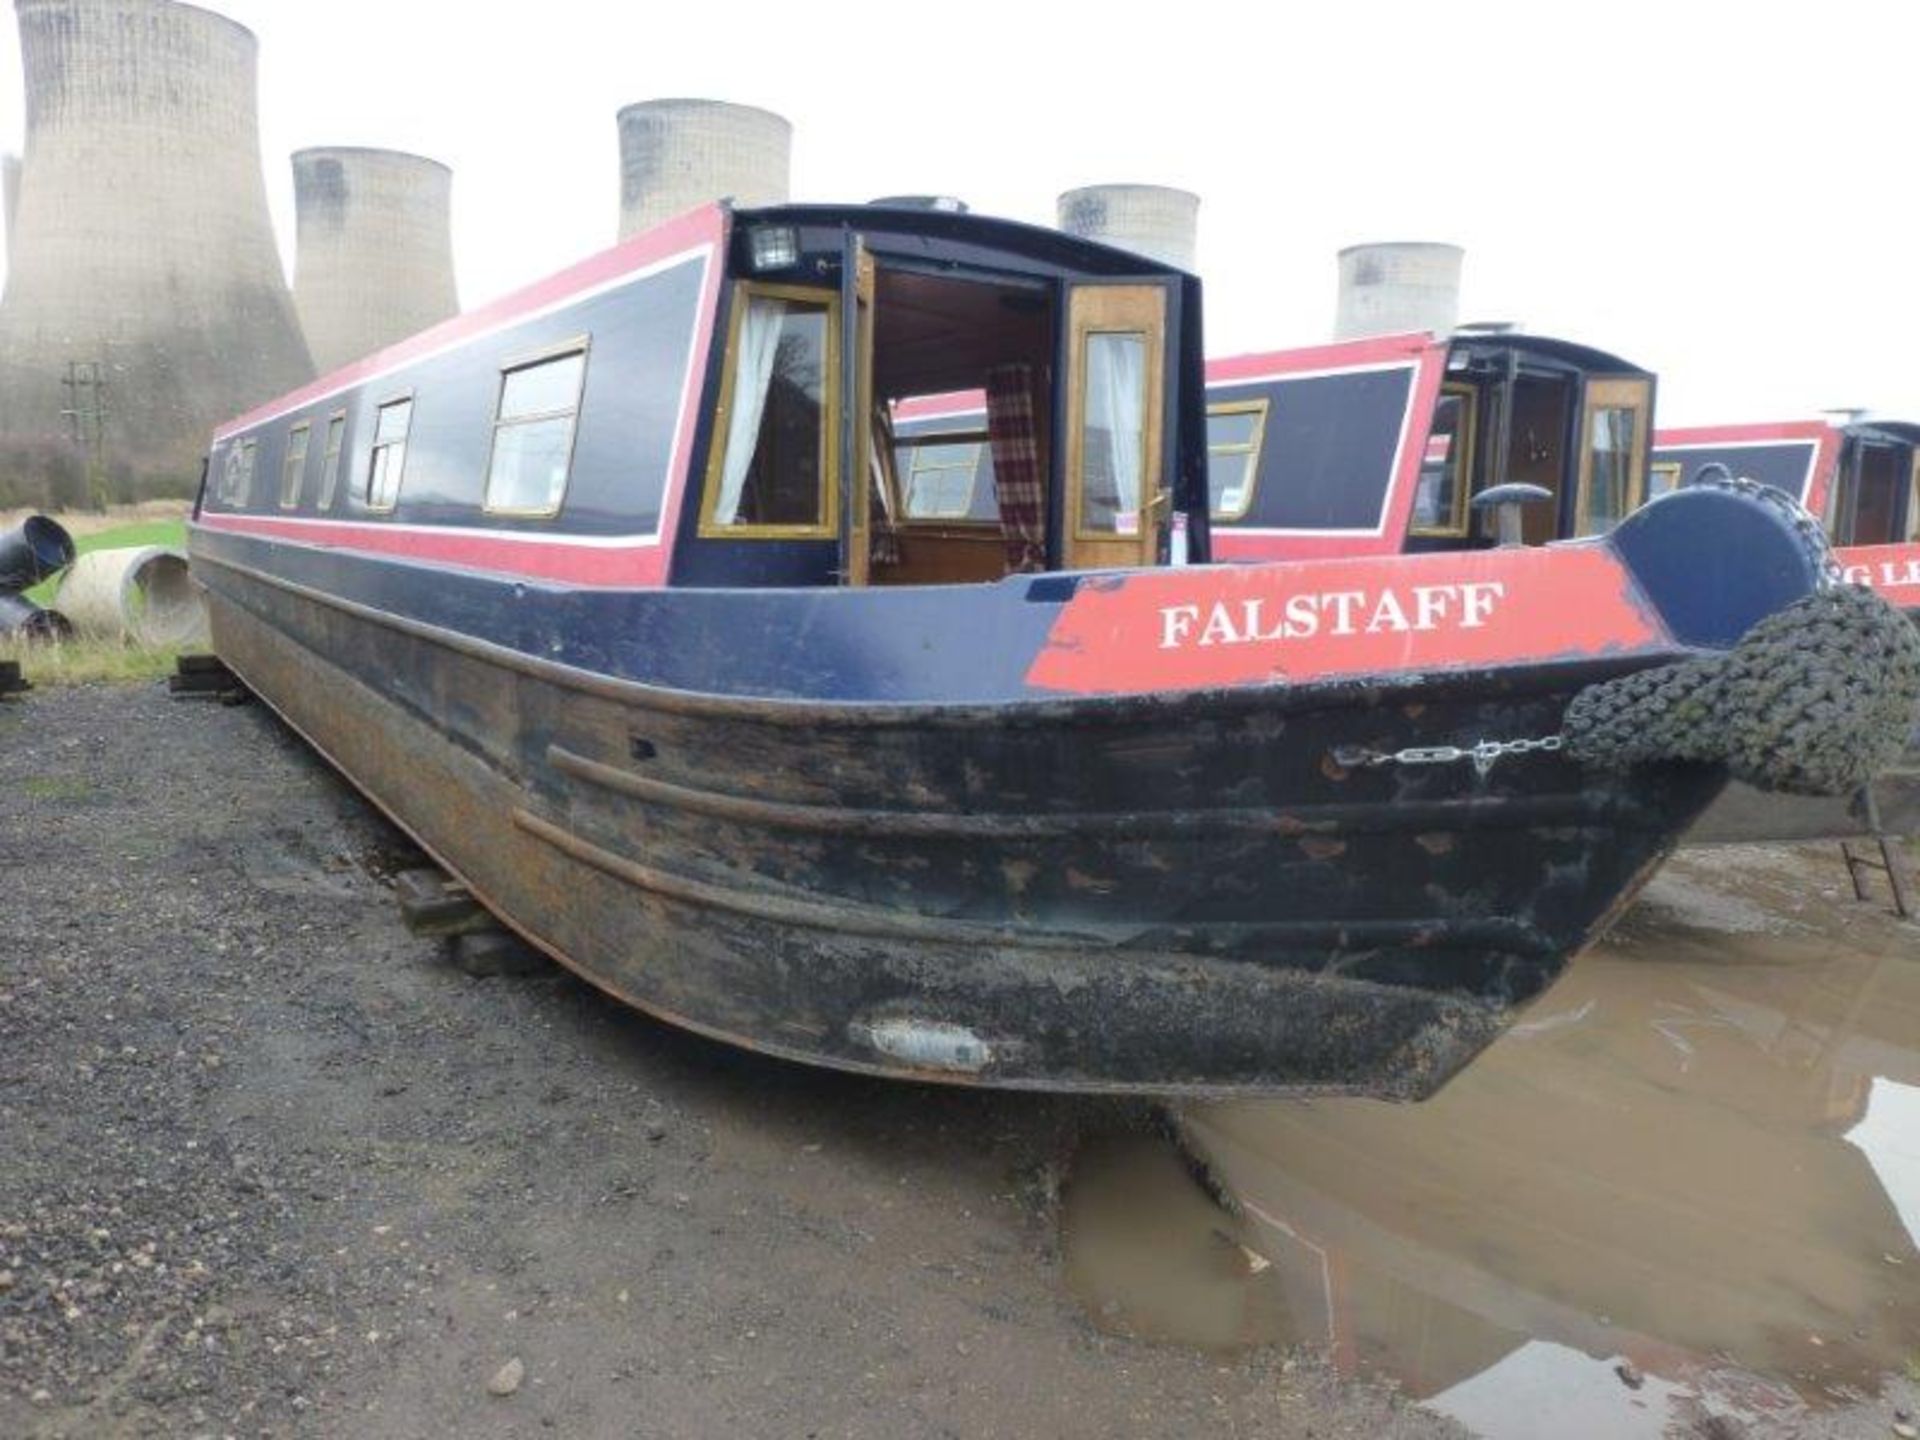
(1544, 349)
(969, 228)
(1907, 432)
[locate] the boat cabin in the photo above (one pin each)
(711, 403)
(1373, 446)
(1863, 478)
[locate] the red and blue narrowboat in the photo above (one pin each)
(612, 595)
(1863, 477)
(1369, 447)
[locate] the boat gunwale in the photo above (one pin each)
(1534, 674)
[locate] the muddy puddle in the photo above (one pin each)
(1686, 1186)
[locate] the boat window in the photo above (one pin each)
(1663, 477)
(1613, 460)
(236, 481)
(330, 462)
(942, 476)
(1235, 430)
(774, 475)
(1446, 469)
(1912, 528)
(1876, 496)
(389, 454)
(294, 468)
(533, 434)
(1113, 432)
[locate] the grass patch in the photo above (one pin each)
(80, 662)
(141, 532)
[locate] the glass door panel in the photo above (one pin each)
(1117, 501)
(1613, 456)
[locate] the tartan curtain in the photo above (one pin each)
(1018, 485)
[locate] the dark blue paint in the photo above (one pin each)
(1782, 465)
(1326, 459)
(637, 336)
(1713, 562)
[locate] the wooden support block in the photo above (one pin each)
(12, 682)
(203, 677)
(433, 903)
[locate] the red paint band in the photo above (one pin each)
(1292, 623)
(632, 564)
(1892, 571)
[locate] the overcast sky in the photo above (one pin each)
(1718, 192)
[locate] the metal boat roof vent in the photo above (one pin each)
(948, 204)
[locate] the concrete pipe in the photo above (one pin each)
(140, 593)
(20, 618)
(31, 551)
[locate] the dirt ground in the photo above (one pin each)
(274, 1167)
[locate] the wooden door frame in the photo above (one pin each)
(1114, 307)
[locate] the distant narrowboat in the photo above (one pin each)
(1368, 447)
(1863, 478)
(609, 593)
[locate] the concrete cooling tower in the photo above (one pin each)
(10, 189)
(374, 258)
(1152, 220)
(1397, 286)
(676, 154)
(141, 240)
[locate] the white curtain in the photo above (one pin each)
(752, 379)
(1118, 388)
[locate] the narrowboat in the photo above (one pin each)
(1375, 446)
(606, 592)
(1863, 477)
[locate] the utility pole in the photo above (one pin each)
(86, 416)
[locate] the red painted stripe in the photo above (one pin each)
(1891, 570)
(1740, 434)
(1227, 370)
(1824, 437)
(593, 566)
(704, 224)
(1293, 623)
(1340, 355)
(936, 407)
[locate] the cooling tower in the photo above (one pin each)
(141, 239)
(1151, 220)
(374, 261)
(10, 189)
(677, 154)
(1386, 289)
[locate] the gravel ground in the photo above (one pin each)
(272, 1166)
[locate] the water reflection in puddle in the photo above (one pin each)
(1687, 1186)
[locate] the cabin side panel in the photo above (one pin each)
(1787, 466)
(1327, 454)
(632, 345)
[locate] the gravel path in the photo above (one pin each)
(272, 1166)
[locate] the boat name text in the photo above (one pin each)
(1886, 575)
(1464, 606)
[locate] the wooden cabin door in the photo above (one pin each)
(1615, 440)
(857, 477)
(1117, 503)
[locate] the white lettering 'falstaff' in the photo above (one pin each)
(1339, 612)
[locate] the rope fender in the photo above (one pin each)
(1816, 699)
